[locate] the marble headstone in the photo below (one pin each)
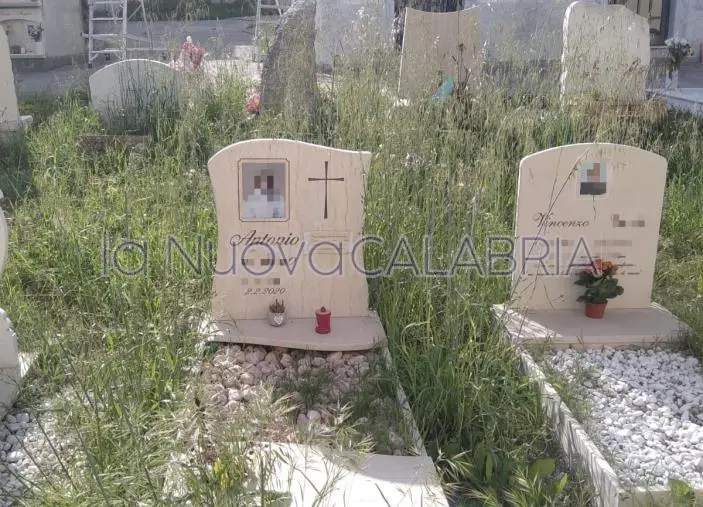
(133, 85)
(579, 202)
(437, 46)
(346, 26)
(290, 218)
(521, 30)
(606, 50)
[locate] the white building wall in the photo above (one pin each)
(686, 20)
(63, 24)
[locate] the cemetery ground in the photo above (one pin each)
(115, 391)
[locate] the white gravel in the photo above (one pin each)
(646, 411)
(26, 453)
(236, 374)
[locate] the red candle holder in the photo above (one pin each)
(323, 321)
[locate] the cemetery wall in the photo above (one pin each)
(59, 41)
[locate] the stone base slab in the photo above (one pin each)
(309, 476)
(566, 328)
(347, 333)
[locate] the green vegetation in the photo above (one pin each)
(125, 345)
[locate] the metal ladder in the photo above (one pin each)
(116, 42)
(263, 6)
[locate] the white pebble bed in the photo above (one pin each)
(26, 453)
(236, 372)
(645, 411)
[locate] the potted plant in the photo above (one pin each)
(277, 313)
(601, 285)
(323, 321)
(679, 48)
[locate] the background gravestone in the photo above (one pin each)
(288, 77)
(134, 88)
(9, 113)
(602, 200)
(606, 50)
(345, 26)
(521, 30)
(436, 46)
(289, 215)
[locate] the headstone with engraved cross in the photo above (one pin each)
(290, 216)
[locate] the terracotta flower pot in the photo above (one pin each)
(595, 310)
(323, 321)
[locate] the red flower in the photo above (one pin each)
(253, 103)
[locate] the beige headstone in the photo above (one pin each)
(580, 202)
(606, 50)
(436, 46)
(289, 217)
(133, 85)
(9, 113)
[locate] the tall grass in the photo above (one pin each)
(125, 345)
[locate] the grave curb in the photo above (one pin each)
(675, 100)
(172, 485)
(575, 443)
(580, 449)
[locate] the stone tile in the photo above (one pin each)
(313, 477)
(564, 328)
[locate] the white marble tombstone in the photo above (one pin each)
(133, 85)
(10, 368)
(521, 30)
(577, 203)
(9, 113)
(605, 50)
(610, 197)
(436, 46)
(345, 26)
(289, 218)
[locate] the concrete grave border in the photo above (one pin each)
(172, 486)
(575, 442)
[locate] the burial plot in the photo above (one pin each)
(437, 46)
(289, 219)
(577, 203)
(605, 50)
(345, 26)
(132, 87)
